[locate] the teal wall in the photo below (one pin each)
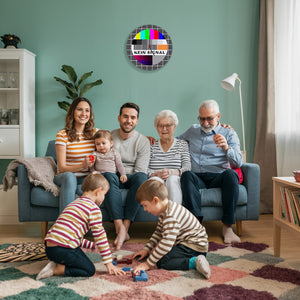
(211, 40)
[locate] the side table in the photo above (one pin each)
(278, 221)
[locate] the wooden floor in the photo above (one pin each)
(260, 231)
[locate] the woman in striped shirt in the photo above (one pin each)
(169, 157)
(73, 145)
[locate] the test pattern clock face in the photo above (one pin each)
(149, 47)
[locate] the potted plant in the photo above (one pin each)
(75, 88)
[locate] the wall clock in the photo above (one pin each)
(149, 47)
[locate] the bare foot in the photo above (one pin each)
(121, 238)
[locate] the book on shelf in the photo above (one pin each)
(296, 199)
(294, 215)
(290, 205)
(284, 209)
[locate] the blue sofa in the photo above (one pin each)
(36, 204)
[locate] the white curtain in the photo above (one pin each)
(287, 85)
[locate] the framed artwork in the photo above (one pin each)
(149, 47)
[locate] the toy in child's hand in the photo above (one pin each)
(142, 277)
(92, 158)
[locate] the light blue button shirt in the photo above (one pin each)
(205, 156)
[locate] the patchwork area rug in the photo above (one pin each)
(241, 271)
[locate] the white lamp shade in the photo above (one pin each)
(228, 83)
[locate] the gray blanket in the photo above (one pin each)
(41, 171)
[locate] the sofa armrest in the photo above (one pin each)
(24, 193)
(251, 173)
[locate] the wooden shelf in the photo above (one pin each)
(278, 221)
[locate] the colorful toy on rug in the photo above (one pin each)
(122, 260)
(143, 276)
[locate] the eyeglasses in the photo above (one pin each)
(208, 119)
(167, 126)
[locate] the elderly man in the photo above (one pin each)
(213, 150)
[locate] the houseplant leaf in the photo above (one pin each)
(70, 72)
(64, 105)
(66, 84)
(88, 86)
(83, 78)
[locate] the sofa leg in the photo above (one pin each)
(44, 229)
(239, 229)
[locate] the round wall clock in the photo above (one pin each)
(149, 47)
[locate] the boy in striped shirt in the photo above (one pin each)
(66, 236)
(179, 241)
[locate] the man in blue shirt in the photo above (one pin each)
(213, 150)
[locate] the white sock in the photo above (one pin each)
(202, 266)
(229, 235)
(47, 271)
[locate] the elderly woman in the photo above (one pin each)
(169, 156)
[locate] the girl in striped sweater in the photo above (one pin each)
(66, 237)
(179, 241)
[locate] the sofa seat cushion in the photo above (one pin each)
(40, 197)
(213, 197)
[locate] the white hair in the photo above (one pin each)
(211, 104)
(166, 114)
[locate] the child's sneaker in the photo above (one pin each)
(202, 266)
(47, 271)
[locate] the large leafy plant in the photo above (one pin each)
(74, 88)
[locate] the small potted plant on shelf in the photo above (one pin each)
(74, 88)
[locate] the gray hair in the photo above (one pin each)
(211, 104)
(166, 114)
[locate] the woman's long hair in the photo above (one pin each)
(70, 122)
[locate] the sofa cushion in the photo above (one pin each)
(213, 197)
(40, 197)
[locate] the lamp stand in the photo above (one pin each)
(242, 116)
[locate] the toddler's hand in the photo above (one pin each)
(123, 178)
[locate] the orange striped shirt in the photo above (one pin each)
(76, 151)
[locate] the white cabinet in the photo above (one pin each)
(17, 104)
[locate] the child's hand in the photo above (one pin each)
(143, 253)
(143, 266)
(114, 270)
(123, 178)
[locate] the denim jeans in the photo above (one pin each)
(178, 258)
(76, 263)
(113, 198)
(228, 181)
(68, 187)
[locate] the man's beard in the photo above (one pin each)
(127, 130)
(208, 129)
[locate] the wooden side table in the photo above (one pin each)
(278, 221)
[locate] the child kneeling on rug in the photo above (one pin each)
(66, 236)
(179, 241)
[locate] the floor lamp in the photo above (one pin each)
(228, 84)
